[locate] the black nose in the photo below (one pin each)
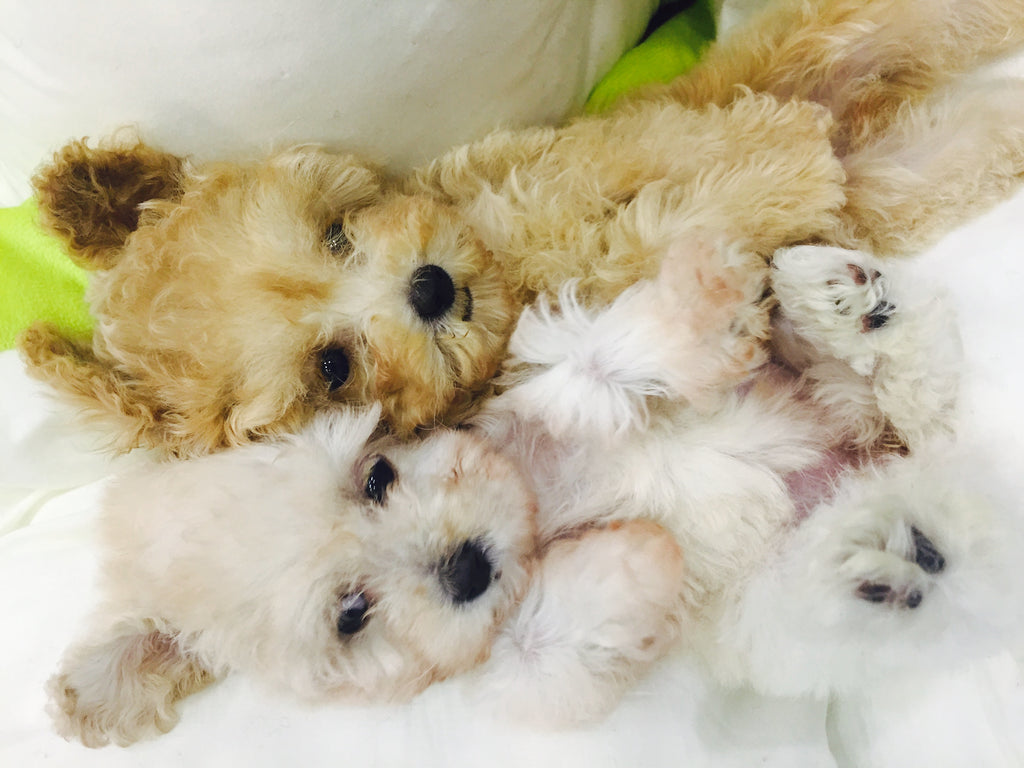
(467, 573)
(431, 291)
(352, 613)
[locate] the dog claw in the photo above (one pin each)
(926, 554)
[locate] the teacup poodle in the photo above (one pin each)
(332, 564)
(233, 301)
(648, 478)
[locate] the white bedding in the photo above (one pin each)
(397, 81)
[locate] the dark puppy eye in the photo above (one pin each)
(334, 367)
(352, 617)
(336, 239)
(381, 476)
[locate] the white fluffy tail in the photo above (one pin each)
(585, 371)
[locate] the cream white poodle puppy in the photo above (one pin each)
(821, 527)
(332, 565)
(806, 522)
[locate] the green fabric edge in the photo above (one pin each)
(37, 279)
(671, 50)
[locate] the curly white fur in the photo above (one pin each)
(752, 530)
(246, 560)
(805, 566)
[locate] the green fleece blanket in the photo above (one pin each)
(669, 51)
(38, 282)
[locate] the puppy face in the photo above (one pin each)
(249, 296)
(327, 566)
(430, 307)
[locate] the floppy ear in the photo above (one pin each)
(72, 368)
(206, 418)
(90, 197)
(123, 685)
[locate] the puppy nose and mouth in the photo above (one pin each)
(466, 573)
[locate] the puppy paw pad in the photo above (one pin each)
(927, 556)
(876, 592)
(900, 574)
(863, 293)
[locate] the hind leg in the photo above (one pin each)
(910, 569)
(860, 58)
(918, 162)
(939, 163)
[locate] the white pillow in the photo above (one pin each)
(397, 81)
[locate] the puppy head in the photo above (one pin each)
(327, 566)
(449, 548)
(249, 296)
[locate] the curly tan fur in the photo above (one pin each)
(217, 310)
(76, 372)
(918, 159)
(864, 60)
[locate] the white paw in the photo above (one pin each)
(837, 300)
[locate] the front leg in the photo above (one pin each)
(602, 608)
(123, 683)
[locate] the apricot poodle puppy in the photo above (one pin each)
(233, 301)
